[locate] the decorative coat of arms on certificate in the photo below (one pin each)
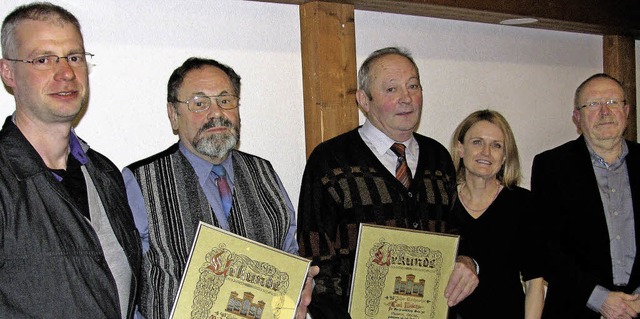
(401, 273)
(232, 277)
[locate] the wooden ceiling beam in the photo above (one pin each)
(604, 17)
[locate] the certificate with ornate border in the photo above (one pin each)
(232, 277)
(401, 273)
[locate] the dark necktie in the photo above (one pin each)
(223, 188)
(403, 173)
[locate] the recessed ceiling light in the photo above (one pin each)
(518, 21)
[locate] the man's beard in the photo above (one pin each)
(217, 145)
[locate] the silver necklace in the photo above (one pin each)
(498, 188)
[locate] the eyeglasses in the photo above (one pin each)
(201, 103)
(596, 105)
(47, 62)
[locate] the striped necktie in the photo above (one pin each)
(223, 188)
(403, 173)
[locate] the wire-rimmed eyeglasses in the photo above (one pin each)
(201, 103)
(47, 62)
(596, 105)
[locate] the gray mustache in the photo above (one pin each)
(216, 122)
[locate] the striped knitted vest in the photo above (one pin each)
(176, 203)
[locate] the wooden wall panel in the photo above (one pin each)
(329, 70)
(619, 61)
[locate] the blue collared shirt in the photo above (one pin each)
(615, 192)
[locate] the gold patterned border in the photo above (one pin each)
(221, 263)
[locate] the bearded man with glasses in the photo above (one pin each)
(588, 192)
(203, 177)
(68, 243)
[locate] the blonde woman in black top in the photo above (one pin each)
(495, 220)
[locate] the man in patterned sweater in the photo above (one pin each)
(352, 179)
(203, 178)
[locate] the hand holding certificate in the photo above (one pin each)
(401, 273)
(228, 276)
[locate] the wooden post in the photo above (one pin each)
(619, 61)
(328, 70)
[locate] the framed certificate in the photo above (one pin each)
(401, 273)
(232, 277)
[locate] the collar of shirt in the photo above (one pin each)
(380, 145)
(596, 160)
(76, 149)
(203, 167)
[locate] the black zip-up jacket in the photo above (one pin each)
(51, 261)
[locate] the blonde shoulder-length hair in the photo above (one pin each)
(509, 174)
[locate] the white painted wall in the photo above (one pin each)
(528, 75)
(139, 43)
